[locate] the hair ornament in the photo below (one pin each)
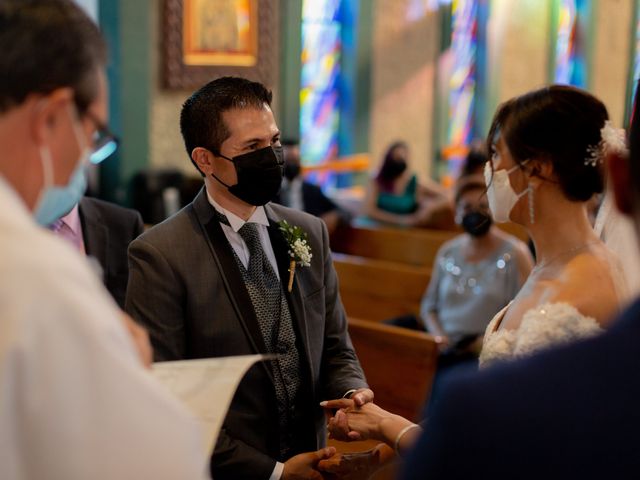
(612, 140)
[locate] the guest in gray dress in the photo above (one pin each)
(474, 276)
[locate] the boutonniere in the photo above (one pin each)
(299, 248)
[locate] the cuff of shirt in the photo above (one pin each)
(349, 393)
(277, 471)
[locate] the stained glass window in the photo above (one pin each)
(319, 94)
(462, 84)
(570, 60)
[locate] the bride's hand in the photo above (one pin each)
(357, 423)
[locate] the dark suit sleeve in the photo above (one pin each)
(442, 439)
(153, 299)
(315, 201)
(235, 459)
(340, 371)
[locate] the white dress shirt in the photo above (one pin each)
(75, 401)
(259, 217)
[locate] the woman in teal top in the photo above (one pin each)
(396, 197)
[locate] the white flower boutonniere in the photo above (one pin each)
(299, 248)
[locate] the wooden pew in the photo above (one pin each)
(411, 246)
(399, 365)
(416, 247)
(379, 290)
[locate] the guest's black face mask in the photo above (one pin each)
(259, 175)
(476, 223)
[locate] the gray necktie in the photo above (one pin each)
(276, 326)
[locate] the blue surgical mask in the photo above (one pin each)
(56, 201)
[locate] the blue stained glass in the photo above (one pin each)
(320, 79)
(319, 127)
(571, 67)
(320, 10)
(321, 53)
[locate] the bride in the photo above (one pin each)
(548, 149)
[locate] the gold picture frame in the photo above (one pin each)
(206, 39)
(220, 32)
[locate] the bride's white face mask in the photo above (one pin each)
(502, 198)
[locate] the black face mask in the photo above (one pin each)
(291, 170)
(259, 175)
(476, 223)
(394, 168)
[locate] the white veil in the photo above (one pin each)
(615, 229)
(618, 233)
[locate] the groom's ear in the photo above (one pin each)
(618, 167)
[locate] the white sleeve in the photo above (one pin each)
(278, 470)
(75, 403)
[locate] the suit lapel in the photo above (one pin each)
(94, 234)
(294, 298)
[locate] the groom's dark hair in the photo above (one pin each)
(201, 121)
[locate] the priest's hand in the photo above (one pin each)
(305, 465)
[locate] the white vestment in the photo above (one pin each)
(75, 402)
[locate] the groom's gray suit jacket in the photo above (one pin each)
(186, 288)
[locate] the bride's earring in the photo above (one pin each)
(532, 213)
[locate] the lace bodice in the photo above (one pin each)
(541, 327)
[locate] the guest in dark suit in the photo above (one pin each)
(214, 280)
(107, 231)
(565, 413)
(302, 195)
(102, 231)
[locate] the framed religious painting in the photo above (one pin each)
(205, 39)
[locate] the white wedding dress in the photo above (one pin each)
(544, 326)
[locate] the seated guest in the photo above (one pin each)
(396, 197)
(99, 229)
(302, 195)
(475, 274)
(103, 231)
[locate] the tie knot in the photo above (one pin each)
(249, 233)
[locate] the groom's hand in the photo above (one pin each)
(337, 420)
(362, 396)
(305, 465)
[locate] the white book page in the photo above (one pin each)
(206, 386)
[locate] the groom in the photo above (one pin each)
(215, 280)
(568, 413)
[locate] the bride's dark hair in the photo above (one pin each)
(557, 124)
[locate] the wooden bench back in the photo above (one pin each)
(411, 246)
(379, 290)
(399, 365)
